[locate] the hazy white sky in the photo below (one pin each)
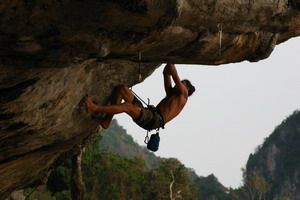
(234, 108)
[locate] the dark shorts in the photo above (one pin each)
(150, 118)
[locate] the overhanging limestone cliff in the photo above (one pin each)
(54, 52)
(43, 119)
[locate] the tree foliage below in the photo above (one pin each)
(114, 167)
(115, 139)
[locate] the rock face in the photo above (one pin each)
(42, 116)
(278, 158)
(54, 52)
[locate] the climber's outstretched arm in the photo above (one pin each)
(167, 80)
(170, 71)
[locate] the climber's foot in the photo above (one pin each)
(106, 121)
(103, 121)
(105, 124)
(90, 106)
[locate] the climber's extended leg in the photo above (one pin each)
(121, 93)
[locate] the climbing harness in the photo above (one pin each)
(152, 142)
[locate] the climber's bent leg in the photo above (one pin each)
(121, 92)
(132, 110)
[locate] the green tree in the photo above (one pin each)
(110, 176)
(60, 179)
(210, 188)
(255, 187)
(170, 180)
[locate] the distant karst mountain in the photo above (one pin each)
(277, 160)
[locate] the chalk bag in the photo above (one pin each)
(153, 143)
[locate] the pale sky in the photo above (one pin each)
(234, 108)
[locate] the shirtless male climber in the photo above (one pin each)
(147, 118)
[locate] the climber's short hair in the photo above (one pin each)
(190, 87)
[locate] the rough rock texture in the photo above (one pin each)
(54, 52)
(42, 117)
(182, 31)
(277, 160)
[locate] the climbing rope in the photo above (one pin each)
(220, 29)
(153, 141)
(139, 98)
(140, 79)
(140, 72)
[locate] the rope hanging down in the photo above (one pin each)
(140, 72)
(220, 37)
(153, 141)
(139, 98)
(140, 79)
